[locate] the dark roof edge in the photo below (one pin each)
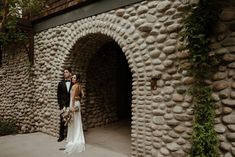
(84, 11)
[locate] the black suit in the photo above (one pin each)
(63, 97)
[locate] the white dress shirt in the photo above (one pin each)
(68, 85)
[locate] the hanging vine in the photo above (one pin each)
(197, 31)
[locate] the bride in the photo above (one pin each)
(75, 138)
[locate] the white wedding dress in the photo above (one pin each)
(75, 135)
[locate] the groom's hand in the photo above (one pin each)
(62, 111)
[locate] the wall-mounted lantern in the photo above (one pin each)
(154, 81)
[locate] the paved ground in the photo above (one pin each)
(108, 141)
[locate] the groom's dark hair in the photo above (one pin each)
(68, 68)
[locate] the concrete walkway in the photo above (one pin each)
(108, 141)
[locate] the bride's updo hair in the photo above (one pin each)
(77, 77)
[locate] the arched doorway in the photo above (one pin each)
(108, 105)
(108, 86)
(107, 82)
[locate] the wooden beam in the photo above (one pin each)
(31, 47)
(26, 26)
(94, 8)
(1, 56)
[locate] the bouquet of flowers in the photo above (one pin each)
(67, 114)
(76, 108)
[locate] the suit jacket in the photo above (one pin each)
(63, 96)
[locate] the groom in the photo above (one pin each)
(63, 97)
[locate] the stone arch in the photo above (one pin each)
(80, 60)
(104, 24)
(133, 46)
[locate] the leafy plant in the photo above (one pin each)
(11, 11)
(7, 127)
(197, 32)
(204, 137)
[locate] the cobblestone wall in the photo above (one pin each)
(148, 34)
(223, 82)
(15, 90)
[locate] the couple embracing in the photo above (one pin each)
(69, 94)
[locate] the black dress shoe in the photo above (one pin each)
(60, 139)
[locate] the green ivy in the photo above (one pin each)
(7, 127)
(11, 34)
(204, 137)
(12, 13)
(197, 31)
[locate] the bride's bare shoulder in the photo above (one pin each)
(75, 86)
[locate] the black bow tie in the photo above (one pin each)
(67, 80)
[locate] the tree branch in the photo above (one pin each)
(4, 15)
